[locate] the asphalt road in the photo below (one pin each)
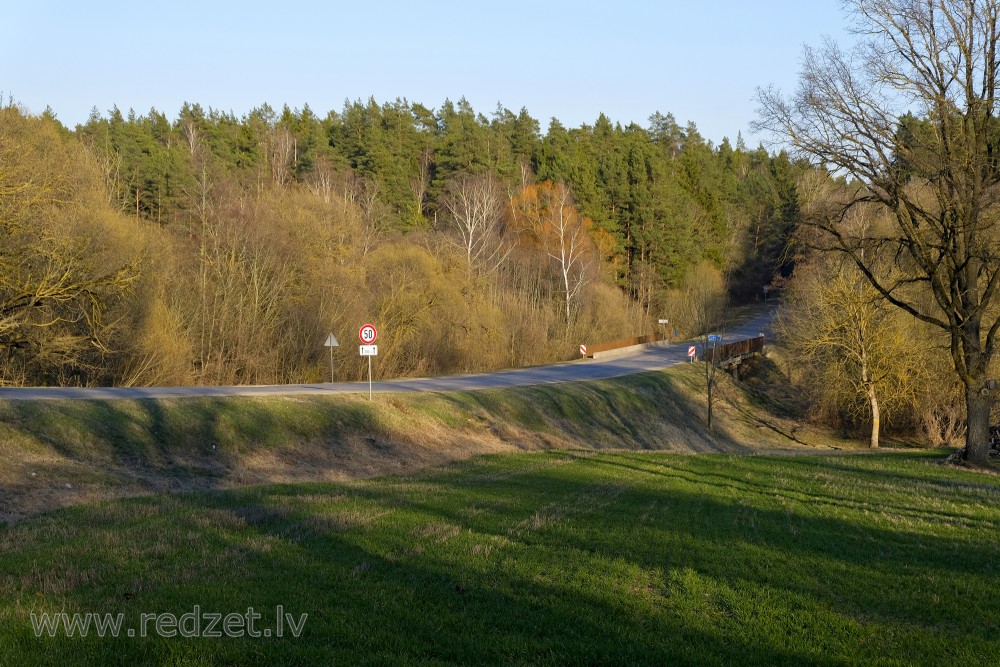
(652, 358)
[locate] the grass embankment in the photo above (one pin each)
(549, 557)
(59, 453)
(571, 555)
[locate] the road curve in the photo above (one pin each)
(655, 357)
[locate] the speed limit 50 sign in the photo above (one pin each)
(368, 334)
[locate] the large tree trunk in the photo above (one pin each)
(566, 292)
(977, 435)
(869, 387)
(977, 396)
(876, 416)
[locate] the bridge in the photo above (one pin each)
(732, 354)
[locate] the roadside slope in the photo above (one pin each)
(59, 453)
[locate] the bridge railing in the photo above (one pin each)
(730, 351)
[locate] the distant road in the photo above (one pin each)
(653, 358)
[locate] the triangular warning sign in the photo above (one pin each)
(331, 341)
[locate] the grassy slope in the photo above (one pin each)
(583, 553)
(556, 557)
(59, 453)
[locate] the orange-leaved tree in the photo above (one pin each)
(546, 215)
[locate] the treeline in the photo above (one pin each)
(211, 248)
(667, 198)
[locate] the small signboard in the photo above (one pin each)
(714, 338)
(331, 342)
(369, 350)
(692, 351)
(583, 349)
(368, 334)
(663, 321)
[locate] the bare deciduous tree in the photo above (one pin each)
(281, 148)
(569, 244)
(547, 212)
(476, 208)
(420, 183)
(850, 342)
(909, 117)
(63, 266)
(321, 180)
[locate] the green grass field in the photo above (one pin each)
(559, 557)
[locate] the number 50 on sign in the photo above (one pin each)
(368, 334)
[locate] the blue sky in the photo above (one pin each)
(571, 60)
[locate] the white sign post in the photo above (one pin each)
(331, 342)
(665, 322)
(368, 334)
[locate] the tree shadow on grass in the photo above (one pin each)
(399, 570)
(732, 533)
(368, 602)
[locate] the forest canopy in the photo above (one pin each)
(209, 248)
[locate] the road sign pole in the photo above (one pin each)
(331, 342)
(368, 333)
